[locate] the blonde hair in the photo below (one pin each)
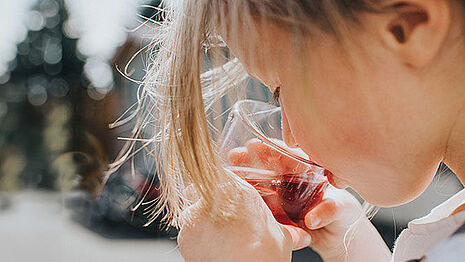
(190, 69)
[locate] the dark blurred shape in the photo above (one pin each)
(83, 169)
(34, 109)
(112, 214)
(5, 202)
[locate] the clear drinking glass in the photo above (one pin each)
(252, 147)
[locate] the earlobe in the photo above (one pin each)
(417, 30)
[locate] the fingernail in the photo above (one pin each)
(314, 221)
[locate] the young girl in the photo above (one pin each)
(372, 90)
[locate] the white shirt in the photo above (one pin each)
(426, 233)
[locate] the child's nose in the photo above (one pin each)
(286, 131)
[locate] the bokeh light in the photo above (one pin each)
(15, 19)
(101, 27)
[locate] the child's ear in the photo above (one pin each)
(417, 29)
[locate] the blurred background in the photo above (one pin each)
(61, 87)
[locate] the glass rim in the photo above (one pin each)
(239, 111)
(254, 174)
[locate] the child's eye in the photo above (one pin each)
(276, 95)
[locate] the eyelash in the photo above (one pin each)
(276, 95)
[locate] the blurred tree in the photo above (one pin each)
(37, 98)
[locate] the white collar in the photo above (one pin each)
(424, 233)
(443, 210)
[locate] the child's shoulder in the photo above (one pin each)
(450, 249)
(441, 231)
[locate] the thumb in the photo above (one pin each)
(298, 237)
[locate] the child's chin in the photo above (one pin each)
(389, 199)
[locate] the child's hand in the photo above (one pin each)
(340, 231)
(254, 236)
(258, 155)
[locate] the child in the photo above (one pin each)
(372, 90)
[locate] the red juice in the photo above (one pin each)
(289, 197)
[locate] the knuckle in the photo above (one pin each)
(185, 240)
(255, 146)
(253, 141)
(237, 155)
(183, 234)
(331, 207)
(181, 242)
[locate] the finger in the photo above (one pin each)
(190, 194)
(272, 159)
(299, 238)
(290, 164)
(258, 151)
(264, 156)
(190, 214)
(239, 157)
(322, 215)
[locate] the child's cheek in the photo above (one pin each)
(330, 134)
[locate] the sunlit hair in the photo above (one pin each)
(190, 69)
